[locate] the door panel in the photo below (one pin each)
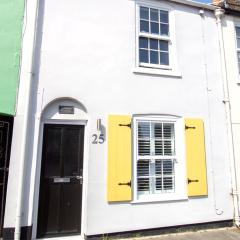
(60, 197)
(70, 202)
(52, 151)
(52, 208)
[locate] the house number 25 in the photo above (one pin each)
(98, 139)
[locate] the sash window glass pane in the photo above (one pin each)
(144, 26)
(154, 57)
(144, 13)
(143, 56)
(143, 42)
(164, 16)
(164, 58)
(154, 28)
(154, 15)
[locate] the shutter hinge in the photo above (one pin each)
(234, 192)
(226, 100)
(125, 125)
(192, 180)
(127, 184)
(189, 127)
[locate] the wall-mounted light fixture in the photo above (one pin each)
(99, 124)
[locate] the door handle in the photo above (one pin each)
(78, 177)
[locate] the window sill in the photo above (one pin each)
(162, 199)
(157, 72)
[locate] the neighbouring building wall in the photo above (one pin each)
(11, 17)
(230, 22)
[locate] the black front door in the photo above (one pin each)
(60, 197)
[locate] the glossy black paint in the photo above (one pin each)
(60, 197)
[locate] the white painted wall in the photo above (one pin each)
(229, 35)
(86, 51)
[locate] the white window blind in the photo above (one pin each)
(155, 157)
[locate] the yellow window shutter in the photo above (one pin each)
(119, 158)
(196, 157)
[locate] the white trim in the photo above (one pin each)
(157, 69)
(180, 171)
(191, 3)
(165, 198)
(157, 72)
(196, 4)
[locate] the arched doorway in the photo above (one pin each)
(61, 178)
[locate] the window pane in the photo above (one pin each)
(144, 26)
(238, 54)
(154, 57)
(164, 16)
(238, 42)
(168, 148)
(168, 167)
(158, 167)
(153, 44)
(238, 31)
(158, 183)
(154, 28)
(158, 130)
(158, 147)
(163, 45)
(143, 168)
(164, 59)
(143, 147)
(168, 131)
(143, 185)
(168, 183)
(143, 42)
(144, 13)
(143, 56)
(164, 29)
(154, 15)
(143, 130)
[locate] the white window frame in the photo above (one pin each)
(180, 192)
(172, 68)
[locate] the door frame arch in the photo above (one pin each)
(80, 117)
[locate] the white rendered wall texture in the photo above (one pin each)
(86, 51)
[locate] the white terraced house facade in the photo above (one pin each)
(120, 123)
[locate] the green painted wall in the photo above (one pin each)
(11, 19)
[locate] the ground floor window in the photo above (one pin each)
(157, 157)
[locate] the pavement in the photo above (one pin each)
(212, 234)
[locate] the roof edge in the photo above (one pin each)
(196, 4)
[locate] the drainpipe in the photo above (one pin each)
(219, 13)
(28, 46)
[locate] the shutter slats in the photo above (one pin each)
(119, 158)
(195, 157)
